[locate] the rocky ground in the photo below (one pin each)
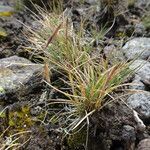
(23, 94)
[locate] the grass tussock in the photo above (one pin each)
(91, 88)
(91, 81)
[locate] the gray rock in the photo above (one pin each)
(137, 47)
(128, 133)
(18, 76)
(113, 54)
(137, 84)
(144, 144)
(36, 25)
(141, 103)
(128, 136)
(139, 29)
(142, 3)
(35, 111)
(142, 69)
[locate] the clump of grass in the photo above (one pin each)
(91, 81)
(91, 89)
(57, 40)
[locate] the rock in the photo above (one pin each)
(137, 84)
(144, 144)
(128, 136)
(44, 138)
(36, 25)
(141, 103)
(128, 133)
(18, 76)
(137, 47)
(35, 111)
(142, 3)
(92, 1)
(113, 54)
(142, 69)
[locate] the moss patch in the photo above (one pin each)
(3, 33)
(2, 90)
(146, 21)
(6, 11)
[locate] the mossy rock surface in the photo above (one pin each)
(6, 11)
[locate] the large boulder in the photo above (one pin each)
(18, 76)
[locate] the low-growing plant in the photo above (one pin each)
(91, 80)
(91, 88)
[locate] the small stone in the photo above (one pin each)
(35, 111)
(141, 103)
(142, 69)
(137, 47)
(113, 54)
(142, 3)
(128, 136)
(128, 133)
(36, 25)
(137, 84)
(139, 29)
